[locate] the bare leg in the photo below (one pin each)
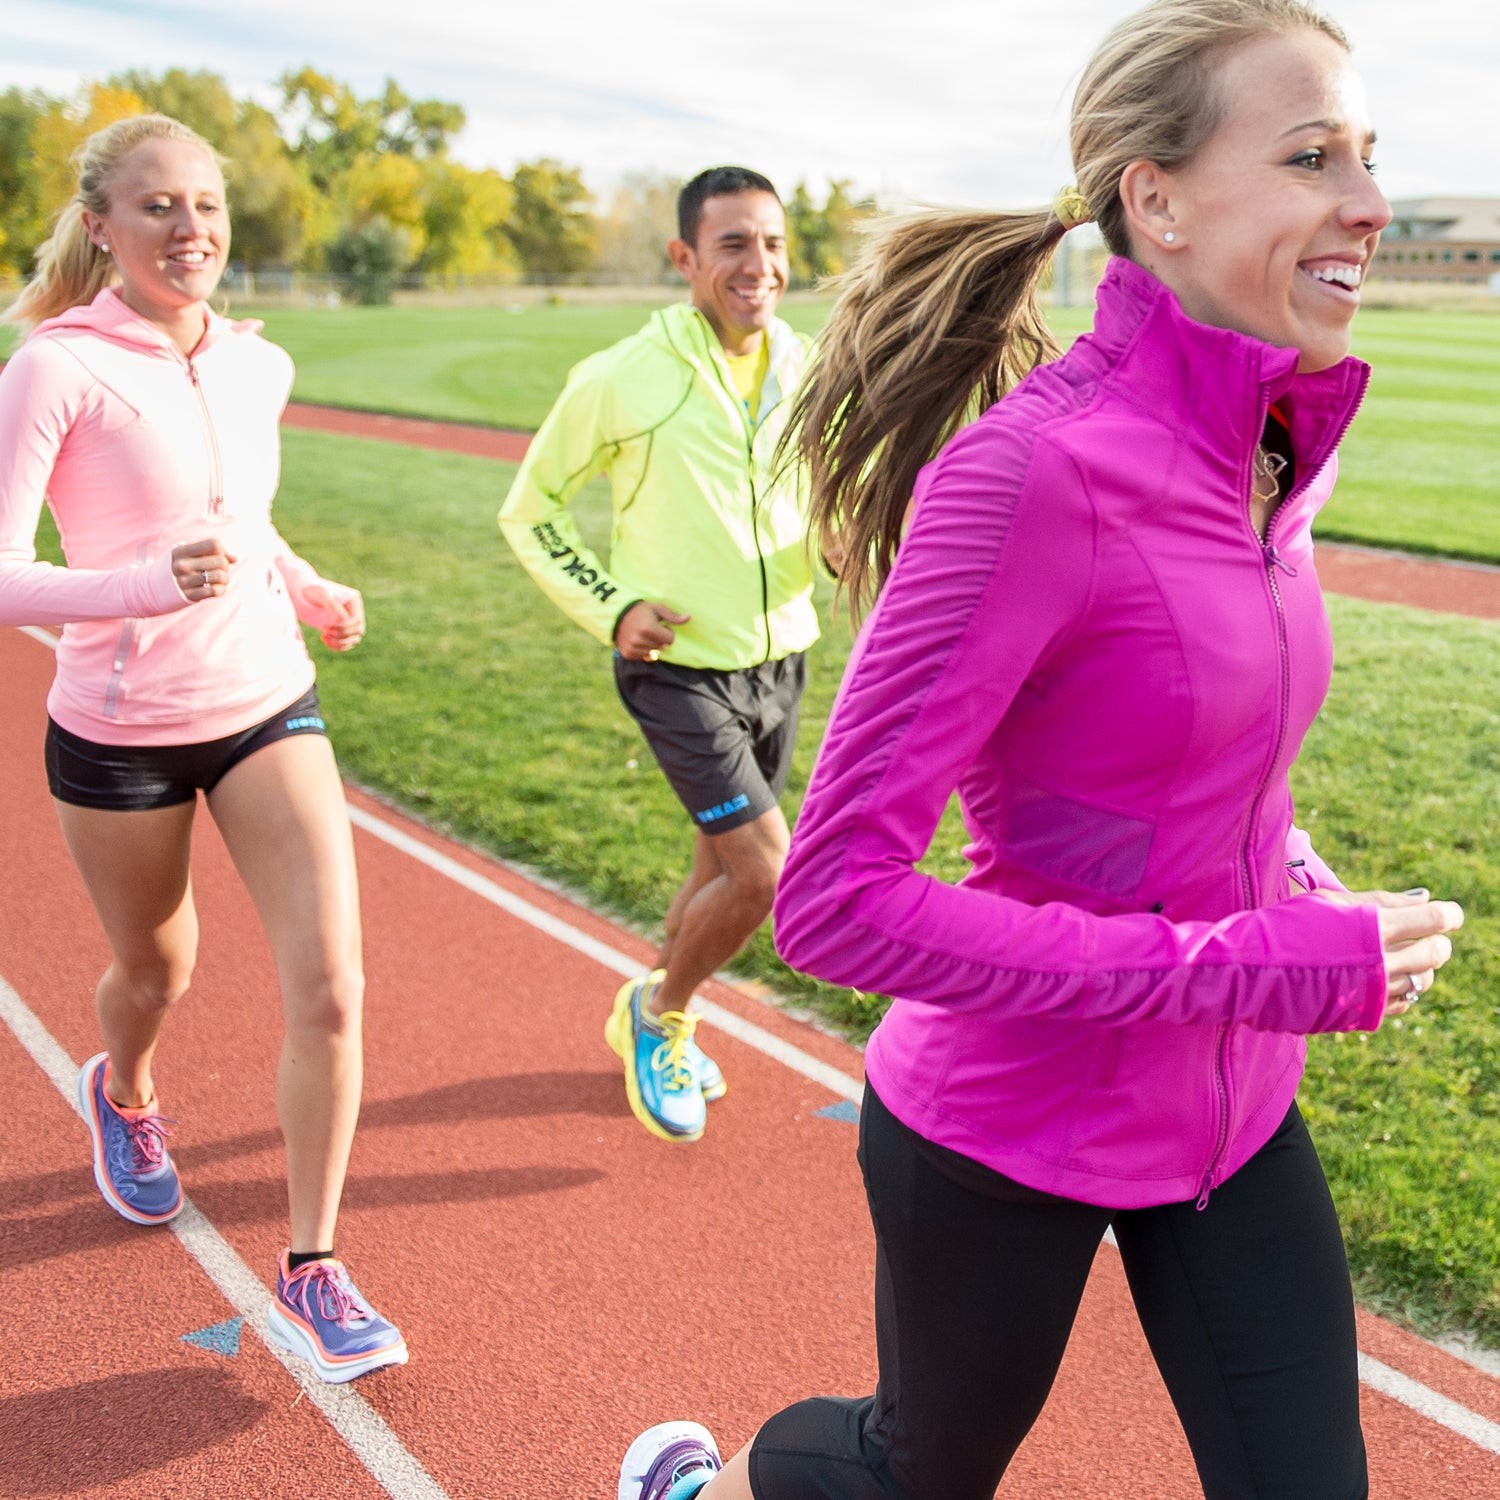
(135, 868)
(732, 1482)
(283, 817)
(721, 915)
(706, 867)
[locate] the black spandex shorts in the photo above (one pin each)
(723, 739)
(138, 778)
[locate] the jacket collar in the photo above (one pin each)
(1213, 383)
(692, 338)
(108, 316)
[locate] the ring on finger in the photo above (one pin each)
(207, 581)
(1413, 991)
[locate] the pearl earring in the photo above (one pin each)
(104, 249)
(1170, 237)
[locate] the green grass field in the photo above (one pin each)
(1420, 468)
(478, 707)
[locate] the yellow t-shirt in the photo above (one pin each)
(748, 372)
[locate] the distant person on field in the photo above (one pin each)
(149, 426)
(707, 598)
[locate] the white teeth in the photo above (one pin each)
(1349, 276)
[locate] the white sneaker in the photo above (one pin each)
(671, 1461)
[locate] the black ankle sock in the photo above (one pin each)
(295, 1262)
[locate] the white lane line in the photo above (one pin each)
(350, 1415)
(38, 634)
(835, 1081)
(1402, 1388)
(1479, 1430)
(1389, 1382)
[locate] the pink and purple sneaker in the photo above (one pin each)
(318, 1314)
(131, 1165)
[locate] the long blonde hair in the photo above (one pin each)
(939, 317)
(70, 268)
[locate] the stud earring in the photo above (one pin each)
(104, 249)
(1170, 237)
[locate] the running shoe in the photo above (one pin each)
(710, 1079)
(660, 1078)
(671, 1461)
(318, 1313)
(131, 1165)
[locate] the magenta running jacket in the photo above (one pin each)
(1084, 636)
(137, 448)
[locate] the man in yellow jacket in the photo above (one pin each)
(707, 597)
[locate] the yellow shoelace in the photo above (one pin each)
(668, 1059)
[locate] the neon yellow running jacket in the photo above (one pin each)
(699, 524)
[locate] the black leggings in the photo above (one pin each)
(1246, 1305)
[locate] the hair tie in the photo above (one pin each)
(1071, 208)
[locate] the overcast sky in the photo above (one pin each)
(939, 101)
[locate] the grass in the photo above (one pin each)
(1419, 470)
(478, 707)
(488, 714)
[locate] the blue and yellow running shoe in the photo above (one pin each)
(671, 1461)
(710, 1079)
(661, 1079)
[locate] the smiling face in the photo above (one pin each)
(167, 228)
(737, 269)
(1275, 220)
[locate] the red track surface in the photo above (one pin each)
(563, 1279)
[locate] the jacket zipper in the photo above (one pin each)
(215, 460)
(749, 428)
(130, 629)
(1272, 560)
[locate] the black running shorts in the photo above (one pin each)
(137, 778)
(723, 739)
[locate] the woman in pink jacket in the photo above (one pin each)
(1104, 630)
(149, 425)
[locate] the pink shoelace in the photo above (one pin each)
(147, 1135)
(337, 1302)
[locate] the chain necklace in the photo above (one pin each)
(1267, 472)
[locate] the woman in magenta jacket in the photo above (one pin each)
(149, 425)
(1103, 629)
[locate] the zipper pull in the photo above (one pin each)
(1275, 560)
(1202, 1202)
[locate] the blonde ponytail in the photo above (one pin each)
(71, 269)
(940, 318)
(937, 320)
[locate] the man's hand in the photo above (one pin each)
(645, 630)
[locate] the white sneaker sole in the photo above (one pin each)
(642, 1452)
(285, 1334)
(101, 1177)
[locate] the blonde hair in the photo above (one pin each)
(939, 318)
(70, 268)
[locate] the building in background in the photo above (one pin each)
(1441, 239)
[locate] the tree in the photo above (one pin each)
(550, 225)
(823, 240)
(464, 220)
(634, 230)
(200, 100)
(368, 259)
(22, 219)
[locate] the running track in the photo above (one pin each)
(563, 1279)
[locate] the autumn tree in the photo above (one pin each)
(550, 225)
(635, 226)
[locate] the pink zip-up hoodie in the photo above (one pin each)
(1085, 637)
(137, 448)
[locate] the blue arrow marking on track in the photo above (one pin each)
(220, 1338)
(845, 1109)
